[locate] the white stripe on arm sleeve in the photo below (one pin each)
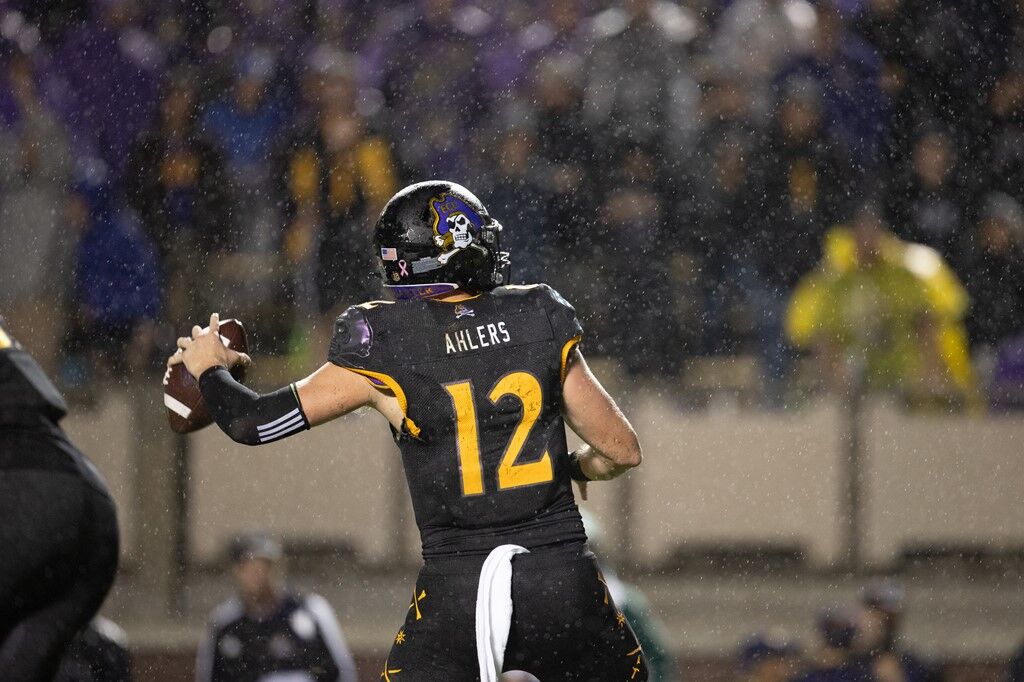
(327, 623)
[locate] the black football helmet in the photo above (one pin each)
(436, 236)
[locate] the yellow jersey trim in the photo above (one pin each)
(396, 389)
(370, 305)
(461, 300)
(566, 349)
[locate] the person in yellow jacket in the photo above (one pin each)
(891, 309)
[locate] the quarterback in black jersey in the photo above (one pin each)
(477, 379)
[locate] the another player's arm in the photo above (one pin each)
(253, 419)
(612, 447)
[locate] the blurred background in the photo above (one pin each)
(793, 230)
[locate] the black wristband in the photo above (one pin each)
(575, 471)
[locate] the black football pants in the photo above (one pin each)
(58, 557)
(565, 625)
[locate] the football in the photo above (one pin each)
(186, 411)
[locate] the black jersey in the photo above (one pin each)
(301, 640)
(31, 408)
(480, 383)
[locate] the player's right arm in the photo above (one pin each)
(251, 418)
(612, 447)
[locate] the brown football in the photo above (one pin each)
(186, 411)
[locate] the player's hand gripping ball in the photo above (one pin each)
(222, 343)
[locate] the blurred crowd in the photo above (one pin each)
(856, 643)
(834, 179)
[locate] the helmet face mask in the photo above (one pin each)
(435, 237)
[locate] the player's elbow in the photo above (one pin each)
(632, 454)
(635, 457)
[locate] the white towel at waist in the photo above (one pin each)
(494, 610)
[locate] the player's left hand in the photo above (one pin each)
(205, 349)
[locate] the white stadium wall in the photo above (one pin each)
(717, 478)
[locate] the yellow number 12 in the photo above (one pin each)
(526, 388)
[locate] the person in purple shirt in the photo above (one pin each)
(112, 68)
(848, 72)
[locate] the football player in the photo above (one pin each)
(58, 525)
(476, 379)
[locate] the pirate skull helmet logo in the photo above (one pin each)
(458, 228)
(455, 224)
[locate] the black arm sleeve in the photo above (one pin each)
(248, 417)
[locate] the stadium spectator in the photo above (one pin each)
(888, 25)
(879, 639)
(885, 312)
(441, 98)
(185, 199)
(993, 255)
(269, 630)
(35, 165)
(942, 81)
(1004, 160)
(567, 148)
(633, 323)
(560, 29)
(117, 283)
(834, 659)
(338, 175)
(927, 204)
(99, 653)
(638, 73)
(754, 39)
(847, 71)
(769, 657)
(715, 223)
(338, 24)
(175, 180)
(247, 124)
(800, 182)
(517, 192)
(1006, 386)
(111, 68)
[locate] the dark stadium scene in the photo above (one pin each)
(512, 340)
